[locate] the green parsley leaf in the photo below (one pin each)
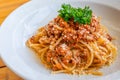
(82, 16)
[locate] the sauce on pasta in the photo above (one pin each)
(73, 48)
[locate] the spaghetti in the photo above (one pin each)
(70, 47)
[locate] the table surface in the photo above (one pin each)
(6, 7)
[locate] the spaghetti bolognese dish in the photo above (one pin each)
(74, 42)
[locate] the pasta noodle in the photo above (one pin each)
(69, 47)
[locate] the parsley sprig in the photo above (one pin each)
(82, 16)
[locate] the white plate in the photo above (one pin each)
(24, 21)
